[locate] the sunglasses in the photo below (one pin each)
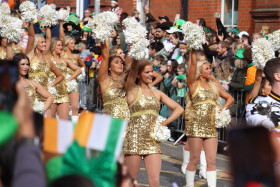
(43, 27)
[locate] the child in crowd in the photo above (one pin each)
(92, 64)
(181, 58)
(84, 52)
(157, 62)
(179, 83)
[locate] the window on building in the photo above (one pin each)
(230, 12)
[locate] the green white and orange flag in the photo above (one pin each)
(58, 135)
(94, 131)
(100, 132)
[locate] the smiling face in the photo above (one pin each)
(206, 71)
(173, 39)
(146, 76)
(41, 45)
(116, 66)
(71, 45)
(23, 67)
(58, 47)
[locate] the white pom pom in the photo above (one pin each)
(222, 118)
(28, 11)
(63, 15)
(71, 85)
(262, 52)
(135, 34)
(82, 75)
(102, 25)
(38, 106)
(11, 29)
(52, 89)
(193, 35)
(274, 39)
(161, 133)
(49, 15)
(5, 9)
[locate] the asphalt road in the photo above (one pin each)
(171, 169)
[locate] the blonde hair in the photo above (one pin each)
(213, 86)
(235, 46)
(240, 63)
(54, 42)
(36, 40)
(113, 50)
(134, 12)
(66, 40)
(224, 70)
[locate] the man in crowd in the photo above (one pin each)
(257, 112)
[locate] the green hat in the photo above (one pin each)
(179, 23)
(72, 20)
(234, 30)
(53, 168)
(86, 28)
(239, 54)
(8, 126)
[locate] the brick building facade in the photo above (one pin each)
(252, 14)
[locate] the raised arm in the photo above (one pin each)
(58, 74)
(173, 105)
(132, 76)
(103, 70)
(61, 30)
(75, 68)
(48, 41)
(257, 84)
(31, 37)
(191, 81)
(9, 51)
(158, 77)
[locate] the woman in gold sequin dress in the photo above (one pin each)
(200, 113)
(40, 67)
(31, 87)
(144, 104)
(61, 104)
(69, 45)
(6, 50)
(114, 99)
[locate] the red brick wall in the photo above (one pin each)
(204, 9)
(268, 15)
(245, 20)
(127, 5)
(167, 8)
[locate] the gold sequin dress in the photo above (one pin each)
(143, 115)
(2, 54)
(202, 120)
(69, 70)
(115, 103)
(31, 92)
(62, 94)
(39, 72)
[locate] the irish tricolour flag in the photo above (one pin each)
(100, 132)
(94, 131)
(58, 135)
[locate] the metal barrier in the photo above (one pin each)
(239, 97)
